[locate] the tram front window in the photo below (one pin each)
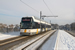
(26, 24)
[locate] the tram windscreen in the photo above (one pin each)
(26, 23)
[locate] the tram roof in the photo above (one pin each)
(37, 19)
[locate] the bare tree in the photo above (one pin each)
(73, 26)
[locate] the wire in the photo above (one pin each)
(30, 6)
(47, 7)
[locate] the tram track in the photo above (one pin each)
(38, 48)
(10, 40)
(45, 36)
(37, 42)
(5, 44)
(16, 41)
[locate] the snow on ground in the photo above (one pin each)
(65, 41)
(4, 36)
(60, 40)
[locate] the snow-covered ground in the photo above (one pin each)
(61, 40)
(4, 36)
(65, 41)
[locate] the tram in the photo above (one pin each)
(31, 26)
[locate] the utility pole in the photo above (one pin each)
(40, 19)
(50, 21)
(44, 16)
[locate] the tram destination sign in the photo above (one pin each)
(26, 20)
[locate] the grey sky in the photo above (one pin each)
(11, 11)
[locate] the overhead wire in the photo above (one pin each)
(30, 6)
(47, 6)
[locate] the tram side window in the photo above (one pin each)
(42, 25)
(36, 25)
(46, 26)
(49, 26)
(33, 25)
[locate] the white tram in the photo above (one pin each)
(31, 26)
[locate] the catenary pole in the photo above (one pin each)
(44, 16)
(40, 19)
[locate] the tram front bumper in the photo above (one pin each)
(22, 33)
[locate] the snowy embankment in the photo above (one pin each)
(61, 40)
(65, 41)
(4, 36)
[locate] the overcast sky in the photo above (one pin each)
(11, 11)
